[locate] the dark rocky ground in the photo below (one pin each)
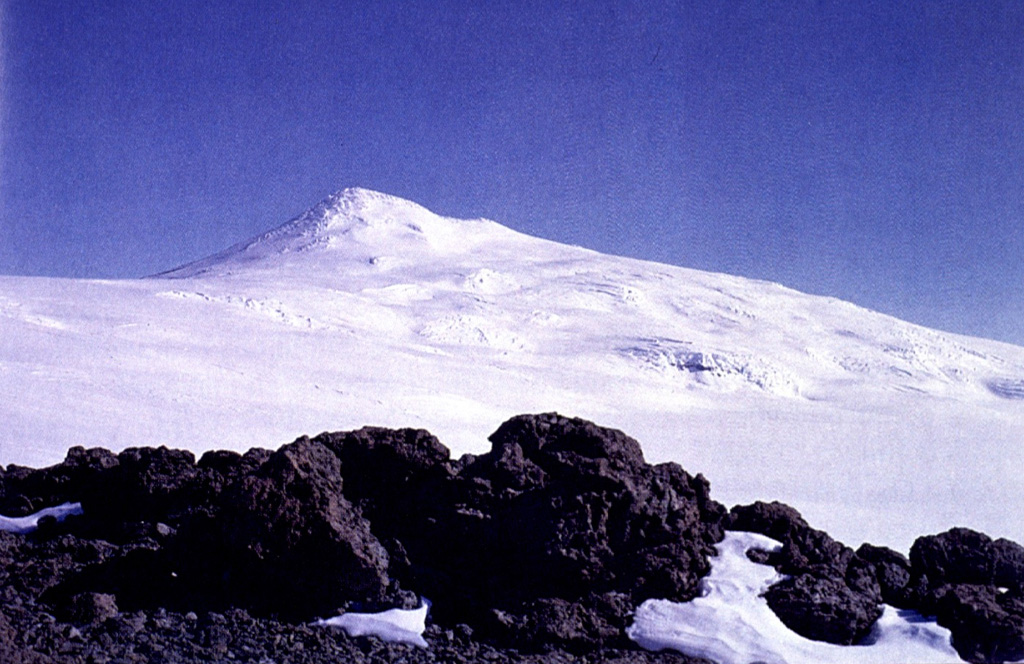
(536, 551)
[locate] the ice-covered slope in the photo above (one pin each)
(371, 310)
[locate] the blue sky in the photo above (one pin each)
(873, 151)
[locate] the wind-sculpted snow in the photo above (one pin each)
(1007, 388)
(730, 623)
(271, 309)
(369, 308)
(470, 330)
(717, 369)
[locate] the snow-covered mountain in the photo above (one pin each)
(369, 309)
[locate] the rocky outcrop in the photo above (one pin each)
(538, 550)
(972, 584)
(545, 544)
(830, 593)
(285, 539)
(553, 536)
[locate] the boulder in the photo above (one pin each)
(147, 485)
(91, 607)
(959, 555)
(287, 541)
(774, 519)
(987, 624)
(831, 594)
(973, 585)
(557, 510)
(823, 608)
(27, 490)
(891, 570)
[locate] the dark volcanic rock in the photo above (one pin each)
(823, 608)
(559, 624)
(972, 584)
(775, 520)
(147, 484)
(558, 510)
(524, 541)
(832, 594)
(91, 608)
(987, 625)
(290, 542)
(891, 571)
(26, 490)
(545, 544)
(961, 555)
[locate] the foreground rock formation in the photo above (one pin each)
(538, 550)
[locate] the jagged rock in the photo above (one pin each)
(987, 624)
(146, 485)
(557, 510)
(891, 571)
(774, 519)
(1007, 564)
(958, 555)
(13, 650)
(961, 555)
(290, 542)
(832, 594)
(557, 624)
(972, 584)
(91, 607)
(823, 608)
(543, 545)
(26, 490)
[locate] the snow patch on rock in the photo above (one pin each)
(23, 525)
(731, 623)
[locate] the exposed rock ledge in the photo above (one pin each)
(538, 550)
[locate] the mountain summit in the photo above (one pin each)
(353, 224)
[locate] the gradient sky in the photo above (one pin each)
(873, 151)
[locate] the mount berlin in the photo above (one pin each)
(369, 309)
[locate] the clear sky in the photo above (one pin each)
(869, 150)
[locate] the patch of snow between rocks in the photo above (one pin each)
(393, 625)
(23, 525)
(731, 623)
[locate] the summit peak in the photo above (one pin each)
(352, 224)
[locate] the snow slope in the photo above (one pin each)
(371, 310)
